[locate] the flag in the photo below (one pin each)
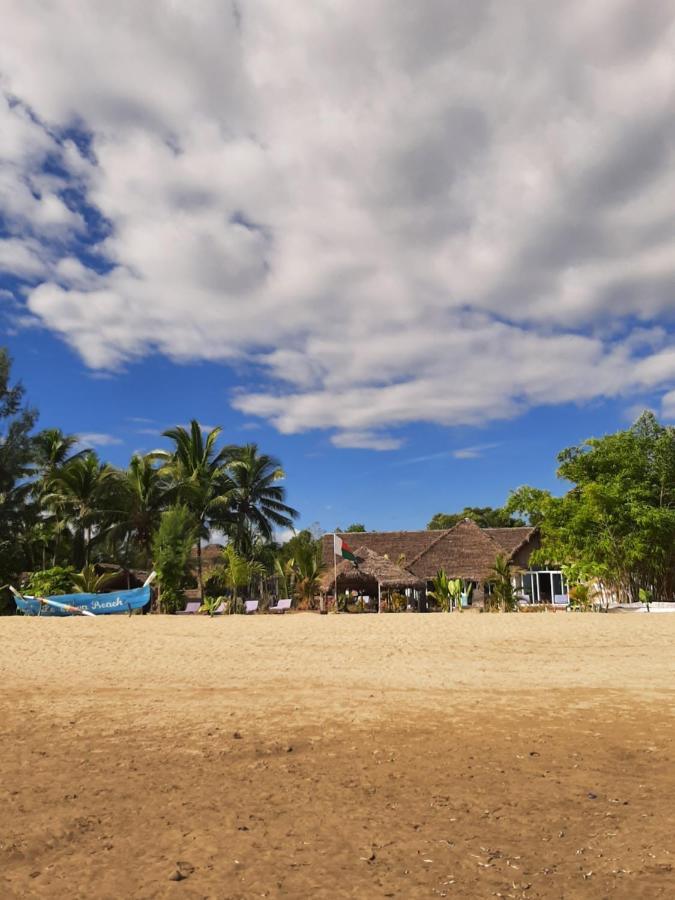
(343, 549)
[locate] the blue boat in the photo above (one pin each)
(114, 603)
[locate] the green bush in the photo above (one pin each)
(171, 551)
(50, 582)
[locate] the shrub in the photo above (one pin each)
(171, 549)
(50, 582)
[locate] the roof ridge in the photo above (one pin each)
(437, 540)
(530, 530)
(500, 550)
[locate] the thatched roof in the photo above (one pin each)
(464, 551)
(120, 577)
(511, 539)
(370, 570)
(399, 546)
(212, 555)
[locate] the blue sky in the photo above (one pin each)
(413, 254)
(333, 486)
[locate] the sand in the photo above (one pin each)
(340, 756)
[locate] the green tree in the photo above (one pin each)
(284, 573)
(297, 544)
(52, 450)
(172, 548)
(17, 514)
(355, 528)
(140, 497)
(503, 594)
(256, 497)
(307, 571)
(531, 503)
(198, 477)
(82, 490)
(617, 522)
(237, 573)
(483, 516)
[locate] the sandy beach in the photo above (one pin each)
(339, 756)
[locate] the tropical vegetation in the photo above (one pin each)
(483, 516)
(615, 526)
(64, 510)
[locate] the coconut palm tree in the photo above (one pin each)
(140, 497)
(52, 450)
(82, 490)
(198, 478)
(256, 498)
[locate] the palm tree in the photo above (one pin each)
(501, 580)
(256, 497)
(307, 569)
(81, 490)
(141, 493)
(198, 478)
(52, 450)
(238, 572)
(284, 573)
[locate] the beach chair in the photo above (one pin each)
(190, 609)
(281, 607)
(250, 606)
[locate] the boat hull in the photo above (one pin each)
(114, 603)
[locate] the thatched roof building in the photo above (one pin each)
(464, 551)
(369, 571)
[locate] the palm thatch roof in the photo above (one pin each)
(464, 551)
(370, 570)
(512, 539)
(212, 555)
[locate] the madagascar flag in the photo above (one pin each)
(343, 549)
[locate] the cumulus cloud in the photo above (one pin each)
(442, 211)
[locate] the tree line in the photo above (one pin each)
(62, 506)
(614, 528)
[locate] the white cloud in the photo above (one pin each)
(441, 212)
(365, 440)
(97, 439)
(283, 535)
(475, 452)
(668, 406)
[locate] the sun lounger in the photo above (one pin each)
(190, 609)
(251, 606)
(282, 606)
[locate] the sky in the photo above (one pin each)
(414, 250)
